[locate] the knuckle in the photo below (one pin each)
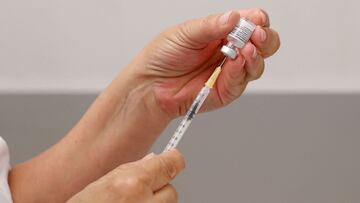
(205, 24)
(185, 32)
(129, 184)
(185, 28)
(132, 183)
(192, 32)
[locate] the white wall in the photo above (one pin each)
(80, 45)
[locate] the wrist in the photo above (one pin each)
(141, 100)
(134, 119)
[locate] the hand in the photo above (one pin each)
(146, 180)
(181, 59)
(168, 73)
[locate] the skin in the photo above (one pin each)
(146, 180)
(126, 119)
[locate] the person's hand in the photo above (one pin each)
(181, 58)
(146, 181)
(167, 73)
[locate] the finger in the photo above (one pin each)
(137, 162)
(254, 65)
(167, 194)
(163, 168)
(231, 82)
(266, 40)
(200, 32)
(148, 156)
(257, 16)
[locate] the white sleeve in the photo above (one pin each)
(5, 194)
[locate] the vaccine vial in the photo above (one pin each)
(238, 37)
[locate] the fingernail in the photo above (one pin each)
(149, 156)
(262, 34)
(254, 55)
(224, 19)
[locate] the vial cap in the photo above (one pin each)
(229, 52)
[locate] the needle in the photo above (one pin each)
(197, 103)
(222, 62)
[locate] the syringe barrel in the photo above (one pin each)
(198, 102)
(186, 121)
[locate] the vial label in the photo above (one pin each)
(238, 37)
(242, 33)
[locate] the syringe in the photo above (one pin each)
(195, 107)
(237, 39)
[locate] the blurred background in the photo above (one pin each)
(293, 137)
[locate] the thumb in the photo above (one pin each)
(200, 32)
(163, 168)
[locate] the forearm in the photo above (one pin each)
(119, 127)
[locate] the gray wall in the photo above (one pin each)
(264, 148)
(294, 138)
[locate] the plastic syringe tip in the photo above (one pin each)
(211, 81)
